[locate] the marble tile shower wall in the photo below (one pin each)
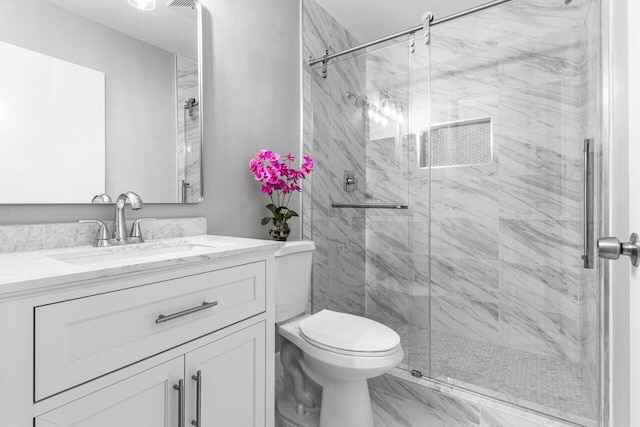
(506, 236)
(390, 268)
(334, 135)
(393, 268)
(188, 132)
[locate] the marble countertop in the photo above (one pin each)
(21, 272)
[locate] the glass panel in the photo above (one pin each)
(508, 314)
(420, 172)
(355, 123)
(390, 269)
(336, 142)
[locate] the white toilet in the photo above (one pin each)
(337, 351)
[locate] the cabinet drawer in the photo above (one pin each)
(79, 340)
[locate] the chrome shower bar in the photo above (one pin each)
(370, 206)
(326, 58)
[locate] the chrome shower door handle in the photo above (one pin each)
(611, 248)
(588, 209)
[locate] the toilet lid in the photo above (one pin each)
(347, 332)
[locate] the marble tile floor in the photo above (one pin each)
(394, 411)
(511, 375)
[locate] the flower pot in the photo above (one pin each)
(281, 232)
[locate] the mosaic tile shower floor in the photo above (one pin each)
(511, 375)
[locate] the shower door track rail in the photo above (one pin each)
(327, 57)
(370, 205)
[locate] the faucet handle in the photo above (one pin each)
(101, 198)
(136, 233)
(103, 234)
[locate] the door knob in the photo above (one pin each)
(611, 248)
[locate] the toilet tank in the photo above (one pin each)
(293, 278)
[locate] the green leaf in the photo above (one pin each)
(272, 208)
(266, 220)
(289, 214)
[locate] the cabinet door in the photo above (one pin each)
(232, 376)
(144, 400)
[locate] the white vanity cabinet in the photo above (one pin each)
(147, 399)
(231, 376)
(222, 383)
(176, 346)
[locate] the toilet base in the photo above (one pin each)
(346, 404)
(287, 413)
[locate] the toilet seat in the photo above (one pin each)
(348, 334)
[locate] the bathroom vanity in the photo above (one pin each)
(176, 332)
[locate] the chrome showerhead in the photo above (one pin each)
(360, 100)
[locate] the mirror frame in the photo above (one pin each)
(200, 39)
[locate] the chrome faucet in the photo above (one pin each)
(119, 235)
(119, 225)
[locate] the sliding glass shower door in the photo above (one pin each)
(513, 311)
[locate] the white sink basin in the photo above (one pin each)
(130, 252)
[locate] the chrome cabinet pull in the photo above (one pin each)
(180, 388)
(162, 318)
(198, 379)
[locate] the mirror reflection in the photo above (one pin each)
(99, 97)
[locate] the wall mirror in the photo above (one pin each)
(100, 97)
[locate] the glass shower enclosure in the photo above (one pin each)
(469, 156)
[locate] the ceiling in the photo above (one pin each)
(369, 20)
(173, 29)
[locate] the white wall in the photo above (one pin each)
(251, 101)
(625, 284)
(625, 212)
(255, 71)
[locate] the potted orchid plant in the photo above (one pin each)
(279, 181)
